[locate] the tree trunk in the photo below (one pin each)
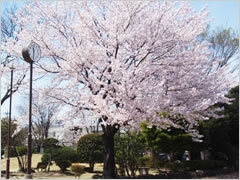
(109, 161)
(91, 165)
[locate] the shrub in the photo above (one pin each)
(50, 143)
(90, 149)
(22, 157)
(77, 169)
(21, 150)
(45, 158)
(174, 166)
(203, 164)
(63, 164)
(63, 156)
(13, 152)
(194, 165)
(144, 161)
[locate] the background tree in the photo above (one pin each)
(18, 139)
(44, 115)
(172, 141)
(90, 149)
(18, 135)
(103, 60)
(225, 45)
(224, 132)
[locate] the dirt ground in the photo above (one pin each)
(55, 172)
(50, 175)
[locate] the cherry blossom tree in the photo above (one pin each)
(8, 29)
(125, 62)
(71, 136)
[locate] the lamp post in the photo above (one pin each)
(9, 127)
(31, 54)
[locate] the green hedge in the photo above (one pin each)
(174, 166)
(203, 164)
(194, 165)
(63, 157)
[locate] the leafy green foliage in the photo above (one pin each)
(22, 157)
(144, 161)
(203, 164)
(63, 164)
(50, 143)
(17, 138)
(12, 150)
(51, 147)
(171, 141)
(224, 132)
(174, 166)
(194, 165)
(21, 150)
(63, 157)
(90, 149)
(45, 158)
(128, 150)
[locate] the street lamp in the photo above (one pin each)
(31, 54)
(9, 125)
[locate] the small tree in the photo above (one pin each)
(22, 157)
(63, 157)
(18, 135)
(50, 145)
(129, 149)
(90, 149)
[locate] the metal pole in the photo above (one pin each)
(9, 128)
(29, 151)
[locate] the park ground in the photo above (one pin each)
(55, 172)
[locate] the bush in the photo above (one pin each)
(203, 164)
(77, 169)
(63, 156)
(144, 161)
(45, 158)
(90, 149)
(21, 150)
(63, 164)
(194, 165)
(174, 166)
(50, 143)
(13, 152)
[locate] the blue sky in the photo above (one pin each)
(225, 13)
